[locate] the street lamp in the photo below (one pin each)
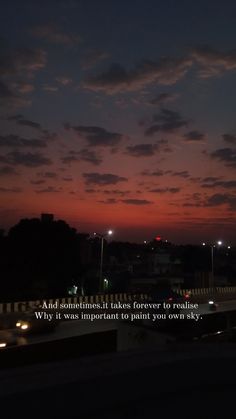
(102, 237)
(212, 246)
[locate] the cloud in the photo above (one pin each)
(211, 179)
(37, 182)
(89, 156)
(109, 192)
(164, 190)
(69, 159)
(142, 150)
(49, 88)
(166, 121)
(19, 119)
(8, 170)
(221, 199)
(163, 98)
(155, 173)
(103, 179)
(49, 189)
(22, 87)
(16, 141)
(226, 184)
(67, 179)
(22, 61)
(194, 136)
(55, 35)
(16, 65)
(115, 192)
(10, 99)
(116, 79)
(136, 201)
(65, 81)
(11, 190)
(96, 136)
(15, 117)
(165, 71)
(48, 175)
(25, 159)
(48, 135)
(184, 174)
(226, 155)
(109, 201)
(229, 138)
(82, 155)
(92, 57)
(91, 190)
(194, 200)
(213, 62)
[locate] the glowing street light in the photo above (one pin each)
(106, 282)
(102, 237)
(212, 246)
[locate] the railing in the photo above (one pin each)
(22, 306)
(207, 291)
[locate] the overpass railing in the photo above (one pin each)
(22, 306)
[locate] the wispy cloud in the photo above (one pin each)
(55, 35)
(103, 179)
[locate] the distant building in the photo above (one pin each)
(162, 263)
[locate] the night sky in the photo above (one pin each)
(120, 114)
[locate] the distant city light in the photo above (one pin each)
(110, 232)
(219, 243)
(158, 238)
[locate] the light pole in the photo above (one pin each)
(102, 237)
(219, 243)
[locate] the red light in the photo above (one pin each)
(187, 296)
(170, 299)
(158, 238)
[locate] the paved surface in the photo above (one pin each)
(221, 306)
(71, 328)
(189, 381)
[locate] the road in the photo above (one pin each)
(221, 306)
(71, 328)
(188, 381)
(128, 335)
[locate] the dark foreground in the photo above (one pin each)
(191, 380)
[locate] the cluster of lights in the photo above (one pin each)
(22, 326)
(108, 233)
(219, 243)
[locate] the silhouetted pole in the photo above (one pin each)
(212, 267)
(102, 236)
(101, 266)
